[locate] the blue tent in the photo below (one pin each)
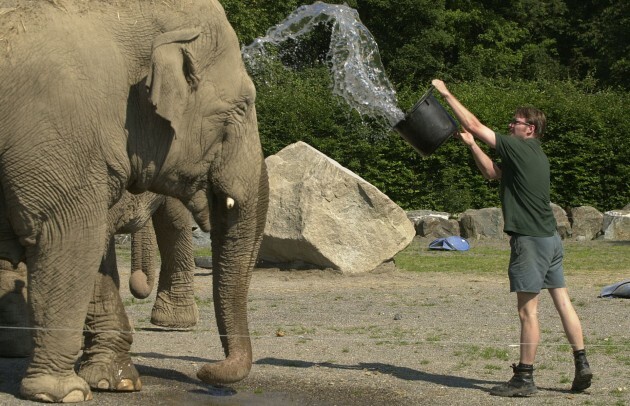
(452, 243)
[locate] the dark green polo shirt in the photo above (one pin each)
(525, 187)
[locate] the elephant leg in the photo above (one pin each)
(175, 305)
(236, 235)
(62, 269)
(106, 363)
(15, 334)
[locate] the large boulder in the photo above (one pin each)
(616, 225)
(321, 213)
(563, 226)
(434, 224)
(436, 227)
(586, 223)
(482, 223)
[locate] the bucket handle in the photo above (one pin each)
(428, 93)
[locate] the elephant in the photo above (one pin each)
(140, 216)
(155, 219)
(100, 98)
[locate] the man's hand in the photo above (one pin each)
(467, 138)
(440, 86)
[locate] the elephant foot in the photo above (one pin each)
(167, 314)
(116, 376)
(230, 370)
(55, 389)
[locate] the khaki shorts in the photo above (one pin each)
(535, 263)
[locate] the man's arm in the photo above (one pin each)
(486, 166)
(465, 117)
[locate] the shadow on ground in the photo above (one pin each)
(398, 372)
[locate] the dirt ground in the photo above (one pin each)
(387, 337)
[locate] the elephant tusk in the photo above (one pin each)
(229, 203)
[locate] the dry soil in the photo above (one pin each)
(382, 338)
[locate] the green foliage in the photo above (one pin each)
(558, 55)
(585, 141)
(585, 138)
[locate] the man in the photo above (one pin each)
(536, 248)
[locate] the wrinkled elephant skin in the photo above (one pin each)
(139, 215)
(100, 97)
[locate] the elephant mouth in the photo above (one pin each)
(200, 209)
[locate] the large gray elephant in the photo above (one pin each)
(99, 97)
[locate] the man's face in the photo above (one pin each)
(520, 128)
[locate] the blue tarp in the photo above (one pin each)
(619, 289)
(452, 243)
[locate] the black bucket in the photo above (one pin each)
(427, 125)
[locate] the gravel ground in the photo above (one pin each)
(381, 338)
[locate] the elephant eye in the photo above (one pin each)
(238, 112)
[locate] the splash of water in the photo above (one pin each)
(356, 68)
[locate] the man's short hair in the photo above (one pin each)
(533, 116)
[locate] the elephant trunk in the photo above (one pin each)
(236, 236)
(143, 267)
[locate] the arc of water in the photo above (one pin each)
(357, 71)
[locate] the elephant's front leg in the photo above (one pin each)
(62, 270)
(106, 362)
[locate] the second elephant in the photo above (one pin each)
(154, 221)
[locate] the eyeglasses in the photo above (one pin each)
(516, 122)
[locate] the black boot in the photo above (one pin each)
(583, 372)
(521, 384)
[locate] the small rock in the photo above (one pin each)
(203, 262)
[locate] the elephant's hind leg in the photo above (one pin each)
(175, 305)
(106, 363)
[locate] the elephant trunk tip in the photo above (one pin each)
(139, 286)
(224, 372)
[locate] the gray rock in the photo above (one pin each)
(323, 214)
(203, 262)
(434, 224)
(563, 226)
(482, 223)
(436, 227)
(616, 225)
(200, 237)
(586, 223)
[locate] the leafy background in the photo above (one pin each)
(568, 58)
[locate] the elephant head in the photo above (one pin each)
(197, 83)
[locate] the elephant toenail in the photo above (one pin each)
(76, 396)
(125, 385)
(103, 384)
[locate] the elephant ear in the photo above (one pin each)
(172, 75)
